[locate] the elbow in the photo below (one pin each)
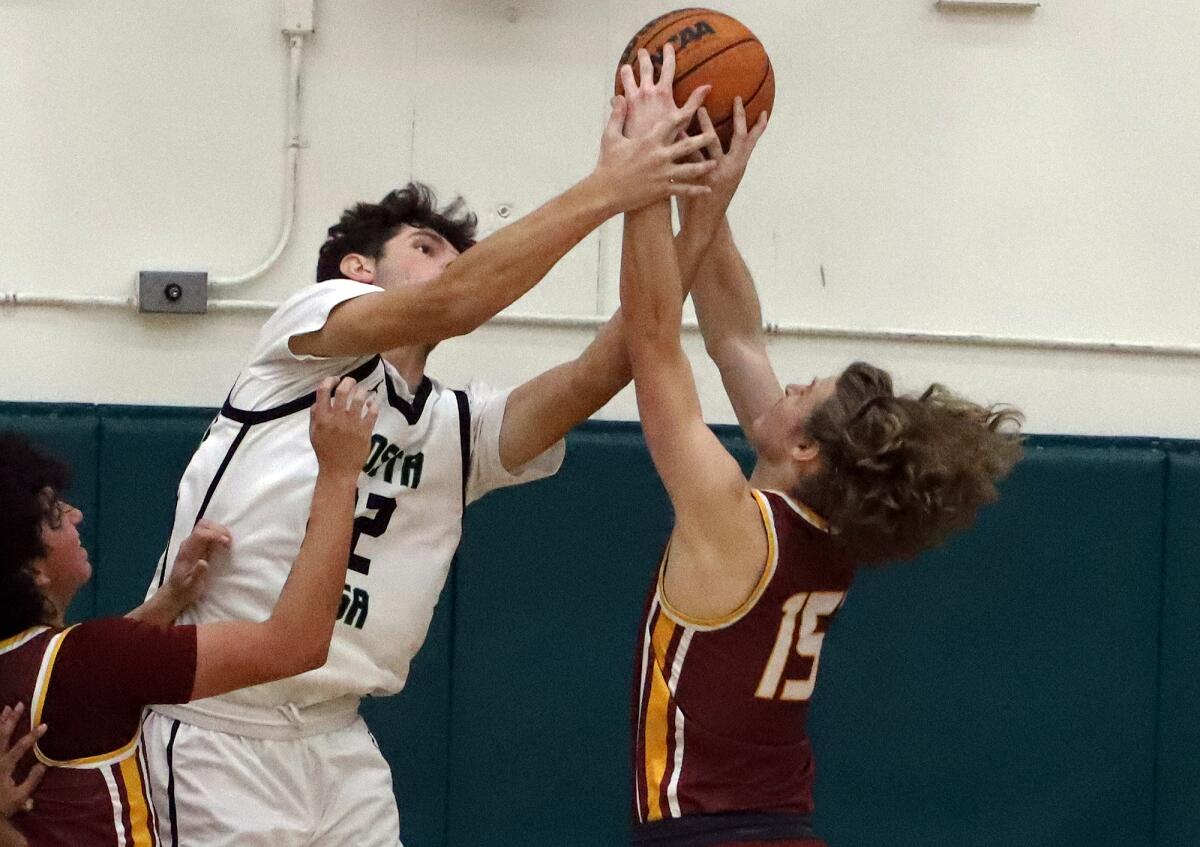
(301, 652)
(316, 652)
(316, 658)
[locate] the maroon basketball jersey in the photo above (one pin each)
(722, 704)
(89, 684)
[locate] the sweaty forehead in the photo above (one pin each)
(409, 232)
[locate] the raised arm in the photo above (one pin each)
(730, 317)
(544, 409)
(296, 637)
(498, 270)
(715, 515)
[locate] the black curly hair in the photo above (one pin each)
(366, 227)
(26, 476)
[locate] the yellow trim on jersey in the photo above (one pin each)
(139, 813)
(658, 729)
(803, 511)
(40, 688)
(740, 612)
(21, 638)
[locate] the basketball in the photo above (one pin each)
(714, 49)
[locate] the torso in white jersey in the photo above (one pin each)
(254, 472)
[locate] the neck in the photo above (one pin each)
(771, 476)
(57, 613)
(410, 362)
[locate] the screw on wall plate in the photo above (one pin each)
(504, 210)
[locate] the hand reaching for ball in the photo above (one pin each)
(643, 158)
(650, 102)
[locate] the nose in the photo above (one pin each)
(75, 516)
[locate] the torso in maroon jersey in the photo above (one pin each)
(103, 675)
(722, 705)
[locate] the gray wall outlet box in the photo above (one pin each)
(178, 292)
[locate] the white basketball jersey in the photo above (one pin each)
(255, 471)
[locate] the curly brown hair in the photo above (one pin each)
(901, 473)
(29, 484)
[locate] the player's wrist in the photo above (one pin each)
(599, 192)
(338, 478)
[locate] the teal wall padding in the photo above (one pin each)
(550, 587)
(142, 455)
(1033, 682)
(1178, 821)
(1002, 689)
(413, 731)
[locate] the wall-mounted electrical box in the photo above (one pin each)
(174, 292)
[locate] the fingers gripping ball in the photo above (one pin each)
(714, 49)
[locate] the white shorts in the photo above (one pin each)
(215, 789)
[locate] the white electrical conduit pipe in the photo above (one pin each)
(780, 330)
(295, 62)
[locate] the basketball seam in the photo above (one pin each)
(750, 100)
(724, 49)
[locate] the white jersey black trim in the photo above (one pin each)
(464, 439)
(411, 411)
(171, 785)
(249, 418)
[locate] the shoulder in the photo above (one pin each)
(318, 299)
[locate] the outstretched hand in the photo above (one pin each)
(642, 157)
(651, 102)
(725, 178)
(17, 797)
(343, 418)
(189, 576)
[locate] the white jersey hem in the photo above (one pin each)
(282, 724)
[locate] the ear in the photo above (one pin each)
(39, 577)
(805, 452)
(357, 267)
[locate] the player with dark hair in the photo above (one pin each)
(366, 228)
(85, 687)
(396, 278)
(848, 473)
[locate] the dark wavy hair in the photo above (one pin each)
(26, 474)
(366, 227)
(901, 473)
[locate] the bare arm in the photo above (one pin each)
(501, 268)
(727, 306)
(296, 637)
(730, 318)
(544, 409)
(705, 484)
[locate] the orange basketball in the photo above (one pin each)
(714, 49)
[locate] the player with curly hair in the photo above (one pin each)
(848, 473)
(85, 687)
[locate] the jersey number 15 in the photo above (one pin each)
(812, 608)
